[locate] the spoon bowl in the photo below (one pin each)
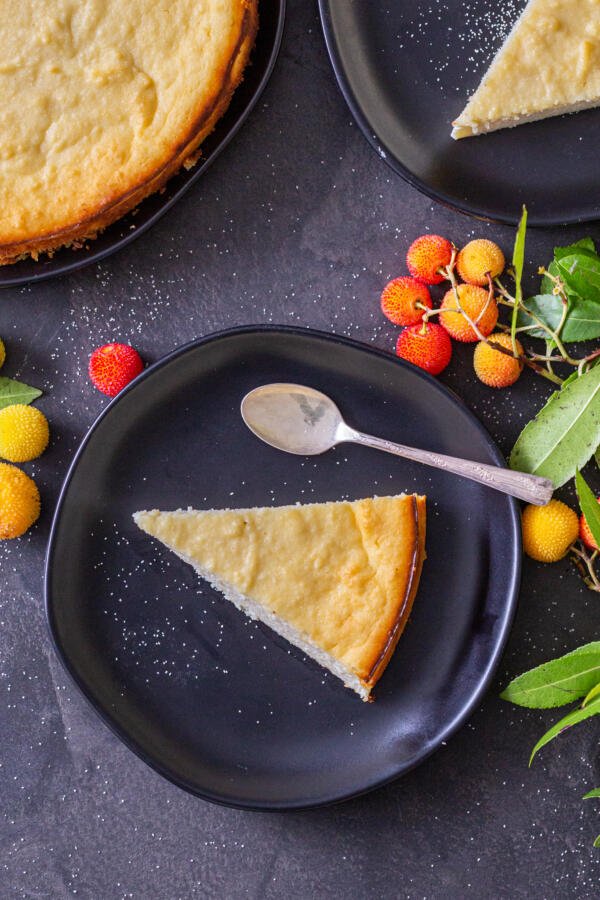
(293, 418)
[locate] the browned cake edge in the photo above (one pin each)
(185, 154)
(407, 597)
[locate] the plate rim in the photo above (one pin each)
(383, 151)
(485, 678)
(80, 262)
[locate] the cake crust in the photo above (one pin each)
(175, 145)
(406, 596)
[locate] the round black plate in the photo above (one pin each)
(125, 230)
(406, 70)
(221, 705)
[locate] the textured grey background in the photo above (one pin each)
(298, 222)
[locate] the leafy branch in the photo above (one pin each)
(557, 683)
(575, 676)
(564, 311)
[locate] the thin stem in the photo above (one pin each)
(543, 358)
(545, 373)
(452, 278)
(522, 328)
(538, 323)
(503, 292)
(565, 310)
(586, 566)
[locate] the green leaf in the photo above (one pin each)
(564, 434)
(582, 322)
(518, 257)
(595, 691)
(589, 506)
(585, 243)
(597, 842)
(580, 272)
(558, 681)
(547, 285)
(580, 250)
(590, 794)
(572, 718)
(547, 307)
(572, 377)
(597, 457)
(12, 391)
(518, 260)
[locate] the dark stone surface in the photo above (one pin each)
(298, 222)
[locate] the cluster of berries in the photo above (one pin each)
(24, 435)
(468, 311)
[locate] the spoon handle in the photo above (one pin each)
(531, 488)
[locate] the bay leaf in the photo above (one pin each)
(559, 681)
(572, 718)
(12, 391)
(564, 434)
(589, 506)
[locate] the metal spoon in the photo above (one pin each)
(300, 420)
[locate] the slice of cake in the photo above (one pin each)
(336, 579)
(548, 65)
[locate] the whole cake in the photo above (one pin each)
(101, 102)
(336, 579)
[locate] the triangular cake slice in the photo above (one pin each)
(548, 65)
(336, 579)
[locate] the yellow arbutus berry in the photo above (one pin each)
(495, 368)
(24, 432)
(478, 259)
(549, 531)
(19, 502)
(474, 302)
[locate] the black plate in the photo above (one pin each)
(125, 230)
(220, 705)
(406, 70)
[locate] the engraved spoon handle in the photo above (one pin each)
(531, 488)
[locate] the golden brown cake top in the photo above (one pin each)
(98, 95)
